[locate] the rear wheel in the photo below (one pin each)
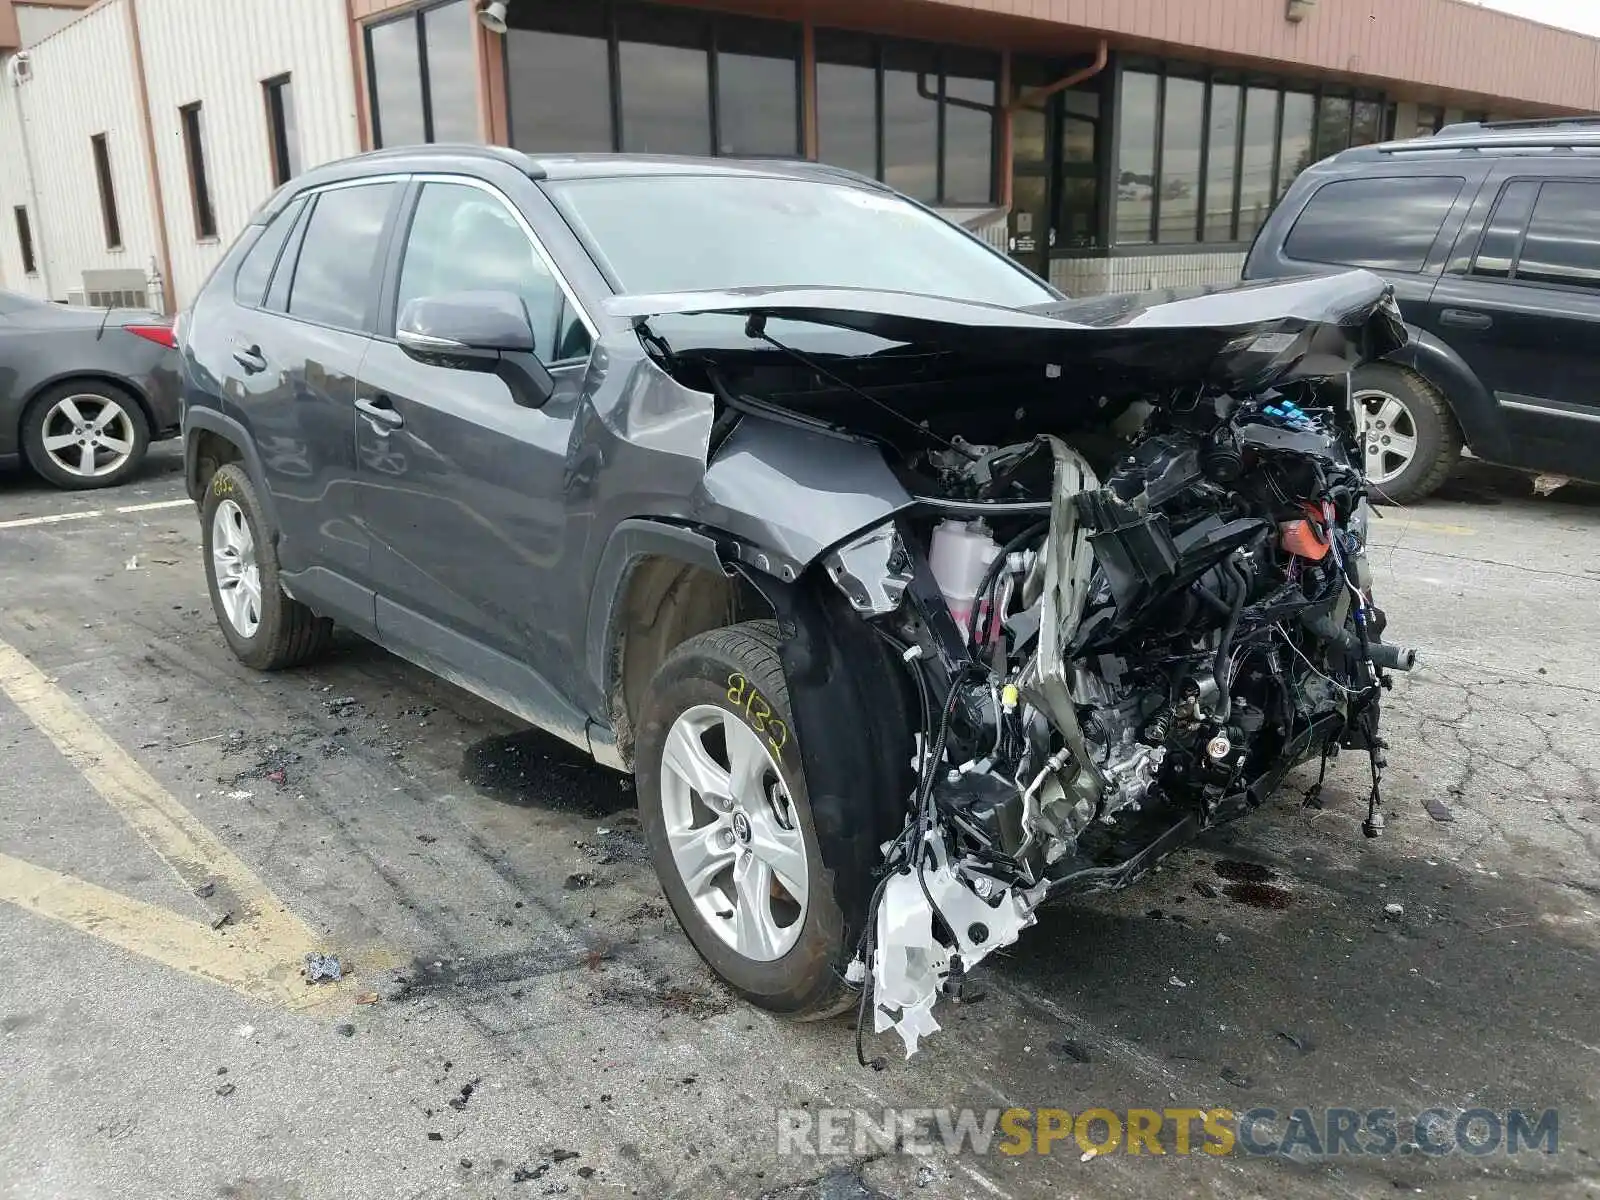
(263, 627)
(723, 799)
(85, 435)
(1409, 439)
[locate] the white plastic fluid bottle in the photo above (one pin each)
(958, 555)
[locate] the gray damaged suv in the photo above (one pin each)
(912, 593)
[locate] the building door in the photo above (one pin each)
(1055, 165)
(1031, 191)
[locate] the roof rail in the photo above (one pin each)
(1590, 119)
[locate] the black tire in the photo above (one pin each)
(34, 431)
(806, 982)
(1438, 436)
(289, 634)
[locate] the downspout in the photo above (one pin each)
(41, 250)
(168, 284)
(1031, 98)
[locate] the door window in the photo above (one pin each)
(463, 239)
(1497, 254)
(1386, 223)
(333, 277)
(250, 284)
(1563, 241)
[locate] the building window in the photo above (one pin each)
(1430, 119)
(194, 148)
(282, 130)
(921, 118)
(422, 77)
(108, 193)
(654, 80)
(30, 265)
(1204, 160)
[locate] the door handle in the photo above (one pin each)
(381, 412)
(1463, 319)
(250, 358)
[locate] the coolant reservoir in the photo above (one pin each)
(959, 554)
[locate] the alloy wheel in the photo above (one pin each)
(1388, 435)
(734, 833)
(88, 435)
(238, 576)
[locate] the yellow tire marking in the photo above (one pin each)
(261, 947)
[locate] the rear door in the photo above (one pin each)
(1521, 305)
(463, 492)
(295, 356)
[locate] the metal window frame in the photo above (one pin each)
(111, 223)
(200, 200)
(30, 258)
(277, 126)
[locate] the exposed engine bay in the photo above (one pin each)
(1121, 621)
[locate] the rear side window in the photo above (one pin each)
(250, 283)
(1497, 253)
(335, 274)
(1563, 241)
(1385, 224)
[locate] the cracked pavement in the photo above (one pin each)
(551, 1004)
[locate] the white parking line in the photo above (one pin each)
(57, 518)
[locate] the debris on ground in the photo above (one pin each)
(245, 1031)
(222, 918)
(367, 998)
(579, 880)
(225, 1089)
(322, 968)
(205, 889)
(560, 1155)
(1394, 911)
(396, 986)
(1302, 1044)
(525, 1174)
(345, 1029)
(1223, 939)
(1205, 889)
(1072, 1050)
(585, 1172)
(1229, 1075)
(339, 702)
(1438, 809)
(1543, 484)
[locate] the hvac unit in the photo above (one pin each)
(123, 288)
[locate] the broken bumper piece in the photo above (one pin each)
(911, 965)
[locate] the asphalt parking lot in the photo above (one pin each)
(521, 1016)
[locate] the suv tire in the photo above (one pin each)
(263, 627)
(1406, 405)
(89, 416)
(720, 703)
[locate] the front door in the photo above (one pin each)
(1524, 312)
(462, 491)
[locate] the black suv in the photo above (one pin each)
(911, 592)
(1490, 234)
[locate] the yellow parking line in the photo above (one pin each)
(260, 951)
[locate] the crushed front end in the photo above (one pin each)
(1128, 589)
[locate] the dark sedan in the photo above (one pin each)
(83, 391)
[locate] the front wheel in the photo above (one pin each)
(1409, 439)
(723, 800)
(263, 627)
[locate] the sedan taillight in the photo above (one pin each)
(161, 335)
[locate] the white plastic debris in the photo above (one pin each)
(1176, 982)
(1394, 911)
(245, 1031)
(910, 965)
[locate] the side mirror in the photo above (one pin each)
(477, 331)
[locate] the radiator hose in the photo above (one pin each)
(1390, 658)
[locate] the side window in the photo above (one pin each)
(1385, 224)
(1563, 241)
(462, 239)
(1497, 253)
(250, 282)
(335, 274)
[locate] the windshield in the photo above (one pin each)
(706, 233)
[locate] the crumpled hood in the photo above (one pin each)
(1251, 336)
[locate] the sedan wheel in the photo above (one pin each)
(238, 575)
(735, 837)
(85, 435)
(1388, 435)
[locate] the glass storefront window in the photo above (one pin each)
(1366, 123)
(1260, 144)
(1182, 128)
(1296, 154)
(1333, 126)
(423, 77)
(394, 61)
(758, 95)
(558, 81)
(452, 72)
(970, 91)
(1136, 157)
(847, 102)
(911, 121)
(1222, 146)
(665, 77)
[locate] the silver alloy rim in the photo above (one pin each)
(88, 435)
(1388, 435)
(734, 833)
(233, 555)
